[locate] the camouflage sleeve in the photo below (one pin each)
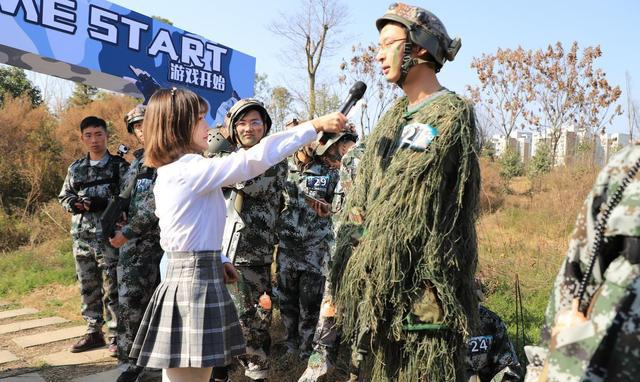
(124, 168)
(281, 183)
(129, 175)
(68, 195)
(145, 219)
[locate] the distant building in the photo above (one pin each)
(566, 147)
(501, 144)
(526, 144)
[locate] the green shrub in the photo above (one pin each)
(542, 161)
(510, 164)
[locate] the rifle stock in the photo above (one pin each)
(233, 225)
(117, 205)
(111, 214)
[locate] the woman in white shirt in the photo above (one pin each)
(191, 324)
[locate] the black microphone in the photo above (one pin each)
(355, 93)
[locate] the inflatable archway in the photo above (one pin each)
(110, 47)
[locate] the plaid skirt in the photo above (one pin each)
(191, 320)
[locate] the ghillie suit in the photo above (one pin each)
(409, 279)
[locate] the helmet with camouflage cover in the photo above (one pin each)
(218, 142)
(134, 115)
(239, 109)
(425, 30)
(327, 140)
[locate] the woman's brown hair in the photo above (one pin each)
(171, 116)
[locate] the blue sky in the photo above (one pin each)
(483, 26)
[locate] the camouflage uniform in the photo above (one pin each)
(305, 242)
(138, 263)
(327, 335)
(606, 346)
(261, 206)
(95, 259)
(491, 356)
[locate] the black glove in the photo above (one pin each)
(97, 203)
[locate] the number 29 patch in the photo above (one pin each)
(417, 136)
(480, 344)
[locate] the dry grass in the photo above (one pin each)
(112, 108)
(527, 237)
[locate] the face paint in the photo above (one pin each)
(396, 63)
(392, 38)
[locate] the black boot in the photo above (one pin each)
(88, 341)
(130, 375)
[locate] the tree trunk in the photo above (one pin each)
(312, 95)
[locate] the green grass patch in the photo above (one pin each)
(503, 302)
(26, 269)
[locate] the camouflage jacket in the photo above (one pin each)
(299, 223)
(606, 346)
(86, 181)
(261, 206)
(491, 354)
(347, 175)
(142, 221)
(300, 227)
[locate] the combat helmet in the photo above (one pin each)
(425, 30)
(134, 115)
(327, 140)
(240, 108)
(218, 142)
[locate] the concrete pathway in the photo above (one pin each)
(109, 375)
(24, 325)
(49, 337)
(67, 358)
(31, 377)
(62, 358)
(17, 312)
(7, 356)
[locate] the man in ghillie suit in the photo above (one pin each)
(409, 281)
(591, 330)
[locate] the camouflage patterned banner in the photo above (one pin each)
(110, 47)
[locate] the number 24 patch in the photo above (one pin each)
(480, 344)
(417, 136)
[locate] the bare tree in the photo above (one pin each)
(261, 88)
(569, 89)
(380, 94)
(312, 33)
(280, 107)
(505, 81)
(548, 89)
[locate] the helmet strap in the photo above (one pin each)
(407, 62)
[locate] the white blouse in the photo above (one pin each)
(188, 192)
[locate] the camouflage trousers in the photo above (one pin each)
(254, 320)
(300, 294)
(138, 277)
(327, 335)
(96, 270)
